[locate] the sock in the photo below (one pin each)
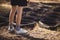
(11, 25)
(17, 27)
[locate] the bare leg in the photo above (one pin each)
(11, 18)
(19, 15)
(18, 21)
(12, 13)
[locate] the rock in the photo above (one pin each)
(57, 9)
(27, 9)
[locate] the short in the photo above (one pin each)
(19, 2)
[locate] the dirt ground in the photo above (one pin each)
(36, 34)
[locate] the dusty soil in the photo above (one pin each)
(35, 34)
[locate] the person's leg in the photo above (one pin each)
(11, 18)
(19, 15)
(18, 21)
(12, 14)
